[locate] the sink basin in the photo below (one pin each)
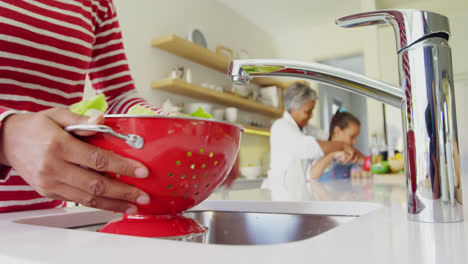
(235, 223)
(243, 228)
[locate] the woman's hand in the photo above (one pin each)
(49, 159)
(340, 156)
(352, 155)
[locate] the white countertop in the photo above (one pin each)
(382, 234)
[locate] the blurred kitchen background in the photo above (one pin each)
(297, 30)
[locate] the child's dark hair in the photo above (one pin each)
(342, 119)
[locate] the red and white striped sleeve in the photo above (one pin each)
(109, 71)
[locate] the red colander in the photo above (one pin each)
(187, 159)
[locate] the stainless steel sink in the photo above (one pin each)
(228, 222)
(247, 228)
(238, 228)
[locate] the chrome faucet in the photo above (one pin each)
(426, 98)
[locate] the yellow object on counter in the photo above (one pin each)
(396, 163)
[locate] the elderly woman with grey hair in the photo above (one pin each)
(292, 149)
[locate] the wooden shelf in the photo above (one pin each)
(261, 131)
(196, 53)
(197, 91)
(191, 51)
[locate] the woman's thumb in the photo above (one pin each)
(93, 120)
(65, 118)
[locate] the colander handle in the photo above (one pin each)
(134, 141)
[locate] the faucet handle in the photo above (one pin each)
(410, 25)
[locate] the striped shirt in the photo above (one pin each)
(47, 48)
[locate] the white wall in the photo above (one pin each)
(143, 20)
(317, 43)
(354, 103)
(461, 84)
(326, 40)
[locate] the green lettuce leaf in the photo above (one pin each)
(98, 103)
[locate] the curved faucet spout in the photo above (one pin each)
(242, 71)
(432, 164)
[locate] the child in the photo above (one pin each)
(344, 127)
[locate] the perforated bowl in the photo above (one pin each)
(187, 157)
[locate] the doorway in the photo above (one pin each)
(332, 99)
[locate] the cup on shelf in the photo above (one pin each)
(231, 114)
(177, 73)
(218, 114)
(241, 90)
(188, 75)
(251, 172)
(269, 96)
(212, 86)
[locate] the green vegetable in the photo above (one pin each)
(140, 110)
(98, 103)
(380, 167)
(201, 113)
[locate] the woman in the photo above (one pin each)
(291, 149)
(344, 127)
(47, 48)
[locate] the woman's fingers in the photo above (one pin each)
(47, 157)
(63, 117)
(92, 188)
(82, 153)
(79, 152)
(351, 154)
(98, 185)
(340, 156)
(90, 200)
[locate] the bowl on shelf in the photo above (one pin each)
(240, 90)
(218, 114)
(269, 96)
(251, 172)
